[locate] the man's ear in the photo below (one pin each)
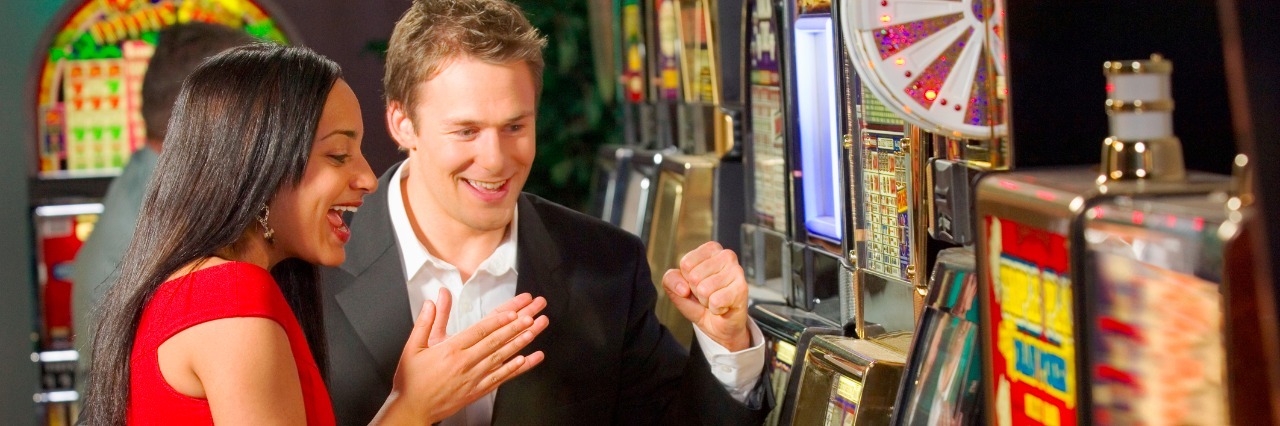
(401, 126)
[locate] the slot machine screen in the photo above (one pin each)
(768, 126)
(61, 230)
(668, 60)
(633, 80)
(1029, 308)
(1157, 352)
(886, 196)
(819, 128)
(89, 95)
(695, 29)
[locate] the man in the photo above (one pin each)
(179, 49)
(462, 83)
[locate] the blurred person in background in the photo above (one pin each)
(179, 49)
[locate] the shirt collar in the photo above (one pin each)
(414, 255)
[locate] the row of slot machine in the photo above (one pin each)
(858, 155)
(88, 122)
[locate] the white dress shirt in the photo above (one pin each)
(494, 282)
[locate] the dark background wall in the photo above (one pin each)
(1056, 51)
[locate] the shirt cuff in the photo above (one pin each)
(737, 371)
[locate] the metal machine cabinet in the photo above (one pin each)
(816, 87)
(764, 233)
(613, 171)
(787, 332)
(682, 218)
(943, 380)
(848, 381)
(1031, 249)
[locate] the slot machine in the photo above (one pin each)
(634, 84)
(87, 103)
(697, 190)
(787, 332)
(785, 277)
(850, 381)
(700, 123)
(943, 379)
(638, 197)
(816, 97)
(612, 171)
(610, 182)
(1170, 318)
(932, 112)
(681, 221)
(1034, 283)
(60, 231)
(764, 231)
(1155, 321)
(665, 76)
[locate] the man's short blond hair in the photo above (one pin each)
(433, 32)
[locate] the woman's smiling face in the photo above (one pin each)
(307, 218)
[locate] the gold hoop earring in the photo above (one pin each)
(267, 232)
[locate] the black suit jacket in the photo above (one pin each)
(608, 360)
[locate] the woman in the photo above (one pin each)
(262, 157)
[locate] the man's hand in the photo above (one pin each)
(439, 374)
(711, 291)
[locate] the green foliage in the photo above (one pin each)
(573, 118)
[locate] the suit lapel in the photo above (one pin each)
(538, 261)
(376, 302)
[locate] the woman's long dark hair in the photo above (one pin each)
(242, 128)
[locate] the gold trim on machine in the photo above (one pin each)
(1156, 65)
(1139, 106)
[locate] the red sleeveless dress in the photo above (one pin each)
(229, 290)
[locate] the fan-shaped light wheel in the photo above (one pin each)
(934, 62)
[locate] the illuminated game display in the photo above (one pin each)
(695, 32)
(668, 83)
(1157, 353)
(633, 48)
(768, 122)
(885, 193)
(935, 63)
(1033, 367)
(60, 231)
(818, 121)
(89, 94)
